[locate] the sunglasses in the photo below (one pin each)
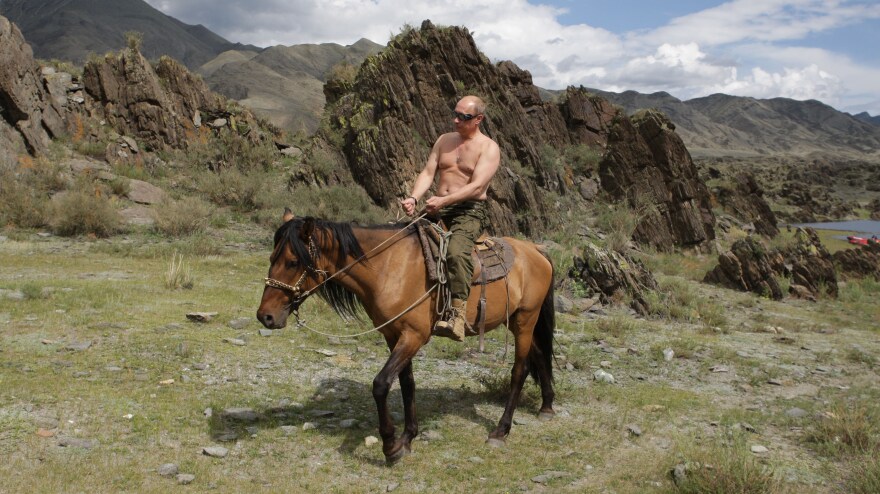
(464, 117)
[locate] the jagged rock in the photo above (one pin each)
(744, 198)
(859, 262)
(648, 165)
(27, 107)
(811, 264)
(159, 107)
(608, 273)
(383, 123)
(747, 267)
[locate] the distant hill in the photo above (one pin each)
(284, 84)
(866, 117)
(735, 124)
(72, 29)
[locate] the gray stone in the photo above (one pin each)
(796, 413)
(200, 366)
(307, 426)
(240, 322)
(201, 316)
(634, 430)
(145, 193)
(266, 332)
(218, 123)
(75, 442)
(288, 429)
(235, 341)
(392, 486)
(78, 346)
(132, 145)
(668, 354)
(215, 451)
(758, 449)
(563, 304)
(113, 368)
(167, 470)
(322, 413)
(548, 476)
(603, 376)
(431, 436)
(347, 423)
(185, 478)
(371, 441)
(241, 415)
(138, 215)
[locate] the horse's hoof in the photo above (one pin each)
(394, 458)
(496, 443)
(546, 416)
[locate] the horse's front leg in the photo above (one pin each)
(399, 364)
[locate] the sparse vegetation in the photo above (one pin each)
(179, 274)
(725, 467)
(177, 218)
(84, 210)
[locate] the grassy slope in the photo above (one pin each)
(111, 293)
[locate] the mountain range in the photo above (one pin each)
(285, 83)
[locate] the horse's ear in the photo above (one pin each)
(307, 228)
(287, 216)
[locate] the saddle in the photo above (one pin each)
(493, 259)
(493, 256)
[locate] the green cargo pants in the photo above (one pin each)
(466, 222)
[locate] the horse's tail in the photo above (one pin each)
(541, 354)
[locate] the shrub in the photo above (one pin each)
(230, 187)
(80, 211)
(844, 430)
(582, 159)
(184, 217)
(21, 205)
(336, 203)
(179, 274)
(863, 476)
(726, 467)
(618, 222)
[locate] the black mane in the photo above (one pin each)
(345, 303)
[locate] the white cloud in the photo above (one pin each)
(730, 48)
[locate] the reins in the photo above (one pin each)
(299, 298)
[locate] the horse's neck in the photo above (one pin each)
(388, 254)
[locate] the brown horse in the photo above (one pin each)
(382, 269)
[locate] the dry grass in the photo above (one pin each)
(179, 274)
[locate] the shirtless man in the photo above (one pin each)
(467, 160)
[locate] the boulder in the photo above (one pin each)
(811, 265)
(747, 266)
(610, 274)
(27, 106)
(744, 199)
(647, 165)
(859, 262)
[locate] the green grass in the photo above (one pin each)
(113, 294)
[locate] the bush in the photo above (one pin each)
(81, 211)
(179, 274)
(726, 467)
(25, 191)
(582, 159)
(619, 223)
(179, 218)
(844, 430)
(230, 187)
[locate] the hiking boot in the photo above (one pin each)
(453, 328)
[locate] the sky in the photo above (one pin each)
(827, 50)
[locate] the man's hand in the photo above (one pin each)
(409, 206)
(434, 204)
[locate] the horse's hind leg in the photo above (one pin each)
(517, 375)
(408, 390)
(399, 360)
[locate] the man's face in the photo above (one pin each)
(465, 117)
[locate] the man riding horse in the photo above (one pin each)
(467, 160)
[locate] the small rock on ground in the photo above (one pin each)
(215, 451)
(758, 449)
(185, 478)
(370, 441)
(201, 316)
(167, 470)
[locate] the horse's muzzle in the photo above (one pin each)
(273, 319)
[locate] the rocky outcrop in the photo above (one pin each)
(160, 108)
(747, 266)
(30, 115)
(386, 119)
(812, 267)
(744, 199)
(614, 275)
(859, 262)
(648, 166)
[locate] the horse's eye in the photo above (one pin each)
(291, 264)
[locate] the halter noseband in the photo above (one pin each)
(297, 295)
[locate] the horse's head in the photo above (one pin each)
(292, 271)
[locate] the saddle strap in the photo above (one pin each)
(481, 317)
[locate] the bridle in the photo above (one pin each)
(295, 290)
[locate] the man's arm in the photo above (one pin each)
(484, 170)
(424, 180)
